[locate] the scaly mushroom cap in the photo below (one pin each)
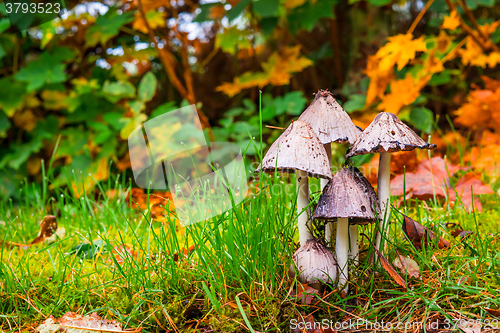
(297, 148)
(350, 195)
(329, 121)
(316, 264)
(387, 133)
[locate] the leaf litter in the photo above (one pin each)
(75, 323)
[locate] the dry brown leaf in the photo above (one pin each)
(407, 266)
(48, 227)
(493, 312)
(418, 234)
(77, 323)
(305, 293)
(387, 266)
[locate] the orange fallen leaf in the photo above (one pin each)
(419, 235)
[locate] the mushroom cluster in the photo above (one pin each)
(347, 197)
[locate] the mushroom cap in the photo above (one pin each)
(329, 120)
(348, 195)
(387, 133)
(297, 148)
(316, 264)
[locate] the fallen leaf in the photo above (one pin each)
(76, 323)
(305, 293)
(47, 228)
(462, 279)
(469, 326)
(418, 234)
(433, 177)
(493, 312)
(387, 266)
(407, 265)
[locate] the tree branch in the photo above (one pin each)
(465, 27)
(486, 39)
(166, 57)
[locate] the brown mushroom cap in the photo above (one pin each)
(349, 195)
(297, 148)
(329, 120)
(387, 133)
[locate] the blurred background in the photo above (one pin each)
(74, 87)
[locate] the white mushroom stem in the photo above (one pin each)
(304, 223)
(354, 242)
(328, 225)
(384, 196)
(341, 249)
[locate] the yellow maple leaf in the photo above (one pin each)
(403, 92)
(277, 70)
(155, 19)
(474, 55)
(451, 22)
(54, 100)
(399, 50)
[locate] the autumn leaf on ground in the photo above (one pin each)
(48, 227)
(76, 323)
(305, 293)
(451, 22)
(493, 312)
(387, 265)
(419, 235)
(407, 265)
(433, 177)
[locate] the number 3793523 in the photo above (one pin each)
(40, 8)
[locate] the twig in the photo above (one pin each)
(419, 17)
(476, 26)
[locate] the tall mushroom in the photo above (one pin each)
(385, 135)
(332, 124)
(348, 199)
(299, 150)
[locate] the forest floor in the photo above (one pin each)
(230, 274)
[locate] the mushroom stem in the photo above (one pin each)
(354, 242)
(384, 195)
(341, 249)
(304, 223)
(328, 225)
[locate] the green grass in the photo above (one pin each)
(236, 278)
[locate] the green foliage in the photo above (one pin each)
(106, 27)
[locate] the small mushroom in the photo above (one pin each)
(332, 124)
(347, 199)
(315, 263)
(386, 134)
(299, 150)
